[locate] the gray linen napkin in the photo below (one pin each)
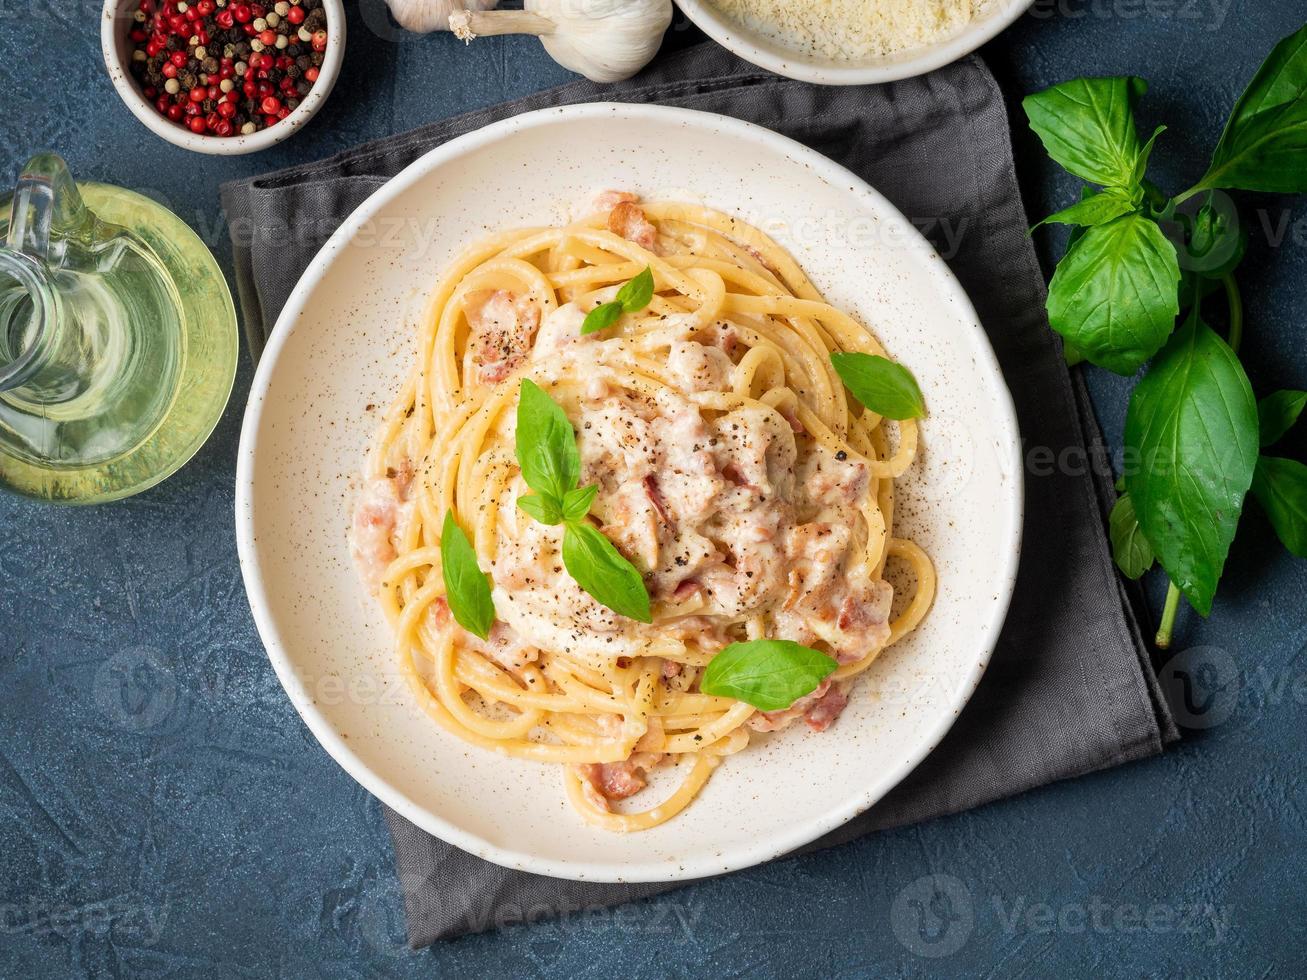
(1071, 688)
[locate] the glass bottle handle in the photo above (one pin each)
(46, 205)
(45, 214)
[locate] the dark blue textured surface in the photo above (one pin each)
(164, 812)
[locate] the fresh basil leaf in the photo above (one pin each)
(601, 570)
(1087, 125)
(1141, 165)
(634, 296)
(577, 503)
(887, 388)
(1281, 78)
(637, 293)
(1277, 412)
(768, 674)
(1280, 486)
(1078, 231)
(467, 589)
(601, 317)
(1070, 353)
(1264, 146)
(1130, 549)
(1192, 425)
(1096, 210)
(546, 444)
(543, 509)
(1114, 294)
(1270, 154)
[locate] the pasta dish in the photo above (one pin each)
(725, 489)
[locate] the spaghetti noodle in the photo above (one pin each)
(733, 471)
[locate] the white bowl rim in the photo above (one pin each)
(796, 65)
(179, 135)
(581, 869)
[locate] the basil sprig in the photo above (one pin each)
(467, 589)
(887, 388)
(1113, 296)
(633, 297)
(551, 466)
(768, 674)
(1135, 261)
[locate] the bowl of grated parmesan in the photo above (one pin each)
(852, 42)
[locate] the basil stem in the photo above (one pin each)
(1163, 638)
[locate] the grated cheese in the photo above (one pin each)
(845, 30)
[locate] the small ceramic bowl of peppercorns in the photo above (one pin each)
(223, 76)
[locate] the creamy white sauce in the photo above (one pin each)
(728, 517)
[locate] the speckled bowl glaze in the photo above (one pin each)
(767, 53)
(342, 348)
(115, 22)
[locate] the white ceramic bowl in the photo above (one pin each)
(116, 22)
(767, 53)
(344, 342)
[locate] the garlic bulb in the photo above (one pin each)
(425, 16)
(604, 40)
